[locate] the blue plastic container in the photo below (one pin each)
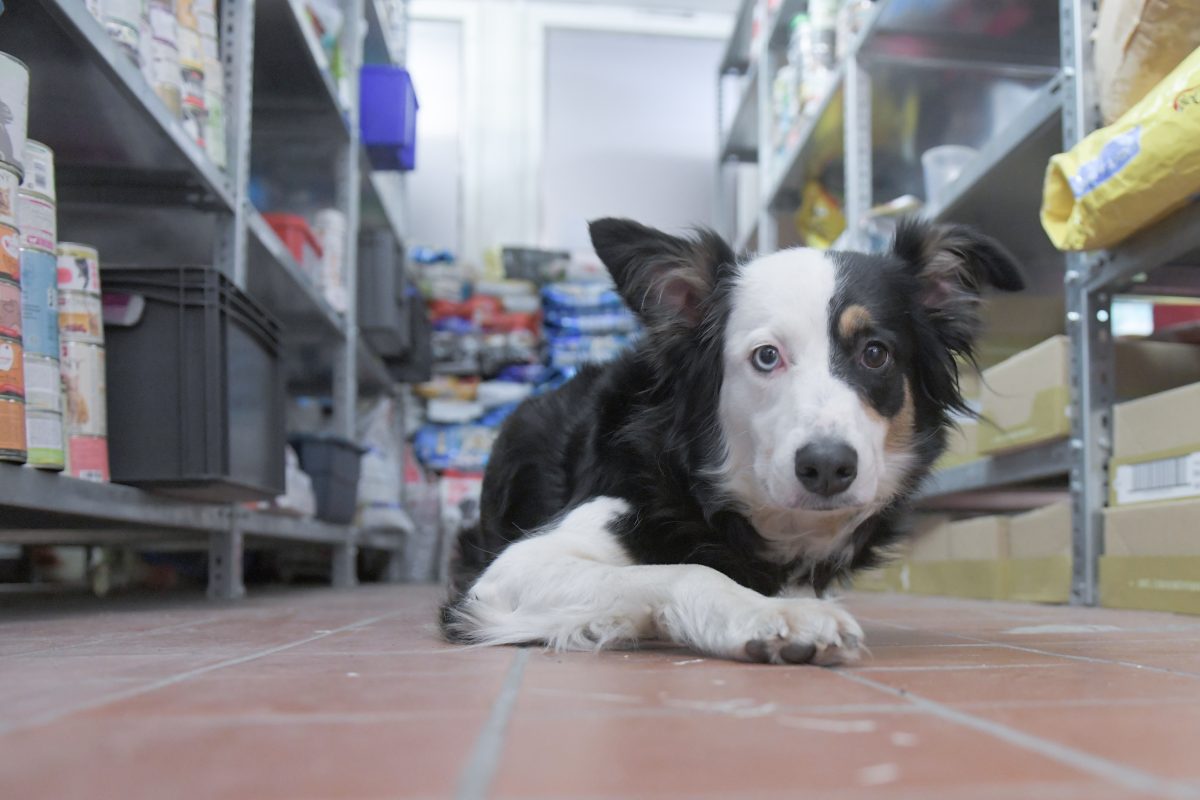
(388, 116)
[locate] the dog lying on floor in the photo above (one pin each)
(766, 433)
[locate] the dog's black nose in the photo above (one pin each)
(826, 466)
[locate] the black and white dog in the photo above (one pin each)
(765, 434)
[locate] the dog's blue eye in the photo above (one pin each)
(765, 358)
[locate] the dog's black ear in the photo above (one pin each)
(664, 279)
(953, 264)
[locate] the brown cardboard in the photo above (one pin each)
(1153, 529)
(1153, 583)
(1042, 533)
(1039, 580)
(962, 445)
(978, 539)
(1155, 428)
(1027, 395)
(981, 580)
(930, 542)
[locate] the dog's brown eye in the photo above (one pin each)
(765, 358)
(875, 355)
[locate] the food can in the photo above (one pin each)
(195, 121)
(10, 253)
(39, 170)
(78, 267)
(191, 49)
(87, 458)
(123, 21)
(80, 317)
(12, 369)
(43, 383)
(10, 183)
(14, 96)
(10, 308)
(37, 219)
(193, 85)
(45, 445)
(84, 385)
(214, 135)
(39, 303)
(12, 429)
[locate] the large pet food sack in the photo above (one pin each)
(1137, 170)
(1138, 42)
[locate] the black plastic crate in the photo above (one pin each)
(533, 264)
(195, 387)
(334, 465)
(417, 364)
(382, 304)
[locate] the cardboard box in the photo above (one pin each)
(930, 541)
(1153, 529)
(962, 445)
(979, 580)
(1039, 580)
(1042, 533)
(1027, 396)
(889, 578)
(1152, 557)
(978, 539)
(1156, 448)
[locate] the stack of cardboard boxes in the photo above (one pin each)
(1152, 526)
(1025, 402)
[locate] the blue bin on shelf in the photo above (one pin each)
(388, 116)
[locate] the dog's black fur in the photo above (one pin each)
(645, 429)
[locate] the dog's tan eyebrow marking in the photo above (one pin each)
(854, 318)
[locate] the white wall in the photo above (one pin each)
(435, 187)
(503, 101)
(630, 130)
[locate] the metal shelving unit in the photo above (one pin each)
(133, 183)
(1000, 192)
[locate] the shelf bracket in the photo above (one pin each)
(226, 550)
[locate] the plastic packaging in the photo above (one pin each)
(1138, 42)
(942, 165)
(1137, 170)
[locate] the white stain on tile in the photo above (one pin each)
(688, 661)
(829, 725)
(878, 774)
(904, 739)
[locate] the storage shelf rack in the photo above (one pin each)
(132, 182)
(998, 191)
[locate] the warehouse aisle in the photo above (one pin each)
(350, 694)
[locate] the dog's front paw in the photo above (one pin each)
(802, 631)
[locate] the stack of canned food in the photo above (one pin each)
(175, 44)
(38, 219)
(81, 345)
(14, 96)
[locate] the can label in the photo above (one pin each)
(39, 169)
(45, 445)
(195, 121)
(80, 317)
(12, 430)
(43, 384)
(38, 221)
(87, 457)
(84, 386)
(14, 96)
(78, 268)
(163, 26)
(39, 303)
(10, 253)
(214, 136)
(191, 49)
(12, 369)
(10, 308)
(10, 183)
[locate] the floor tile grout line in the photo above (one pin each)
(1095, 765)
(481, 766)
(162, 683)
(1036, 651)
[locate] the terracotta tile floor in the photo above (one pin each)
(322, 694)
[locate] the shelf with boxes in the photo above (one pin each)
(958, 110)
(153, 188)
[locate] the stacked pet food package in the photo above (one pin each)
(586, 323)
(174, 43)
(319, 248)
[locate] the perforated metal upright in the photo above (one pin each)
(1089, 328)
